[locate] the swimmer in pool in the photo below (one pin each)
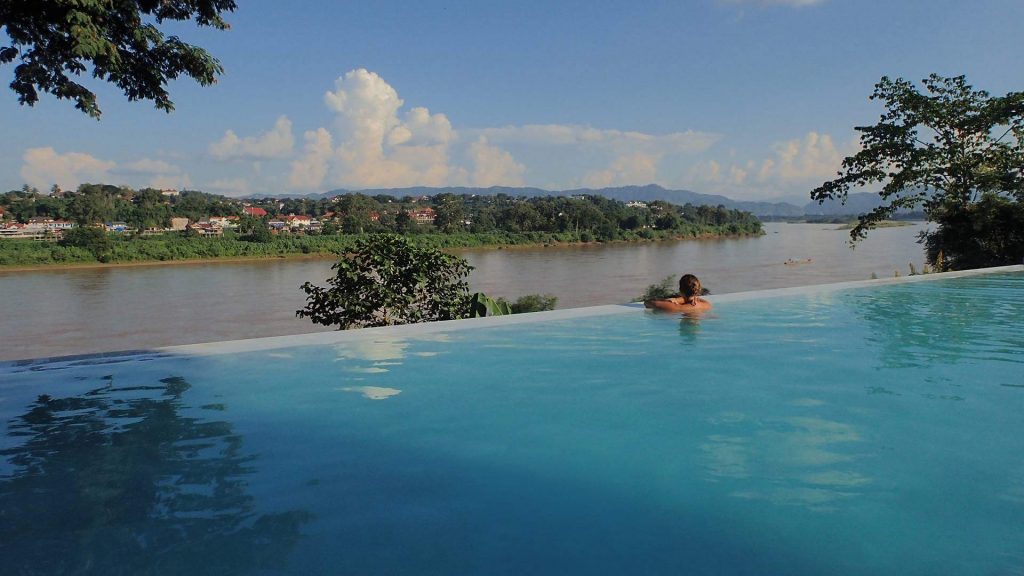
(689, 299)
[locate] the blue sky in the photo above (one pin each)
(753, 99)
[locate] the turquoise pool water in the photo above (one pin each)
(867, 430)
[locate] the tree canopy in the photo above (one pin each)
(386, 280)
(56, 41)
(956, 152)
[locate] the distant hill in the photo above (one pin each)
(857, 203)
(646, 193)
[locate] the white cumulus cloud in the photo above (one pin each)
(277, 142)
(637, 168)
(309, 171)
(814, 158)
(44, 167)
(493, 166)
(375, 141)
(375, 147)
(792, 167)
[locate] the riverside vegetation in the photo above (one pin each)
(456, 221)
(386, 280)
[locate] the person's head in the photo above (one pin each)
(689, 286)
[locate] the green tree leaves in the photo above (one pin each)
(55, 41)
(945, 149)
(254, 230)
(95, 240)
(94, 203)
(450, 213)
(534, 303)
(386, 280)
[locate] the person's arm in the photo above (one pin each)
(668, 305)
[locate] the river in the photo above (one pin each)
(60, 312)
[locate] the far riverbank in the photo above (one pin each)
(25, 255)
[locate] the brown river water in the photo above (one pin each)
(60, 312)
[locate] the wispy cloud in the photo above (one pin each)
(637, 168)
(277, 142)
(493, 166)
(687, 142)
(44, 167)
(158, 174)
(148, 166)
(797, 164)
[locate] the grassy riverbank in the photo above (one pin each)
(123, 250)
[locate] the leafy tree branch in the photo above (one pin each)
(54, 42)
(937, 149)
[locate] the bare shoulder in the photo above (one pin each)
(700, 305)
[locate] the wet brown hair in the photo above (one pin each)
(689, 287)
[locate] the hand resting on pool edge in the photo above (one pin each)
(688, 301)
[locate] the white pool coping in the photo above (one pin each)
(413, 331)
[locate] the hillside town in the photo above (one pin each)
(118, 210)
(269, 213)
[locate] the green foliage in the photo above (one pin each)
(989, 232)
(386, 280)
(954, 151)
(196, 205)
(93, 204)
(481, 305)
(664, 289)
(95, 240)
(55, 40)
(534, 303)
(148, 210)
(254, 230)
(449, 213)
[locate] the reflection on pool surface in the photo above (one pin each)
(871, 430)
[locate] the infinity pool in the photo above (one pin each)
(863, 429)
